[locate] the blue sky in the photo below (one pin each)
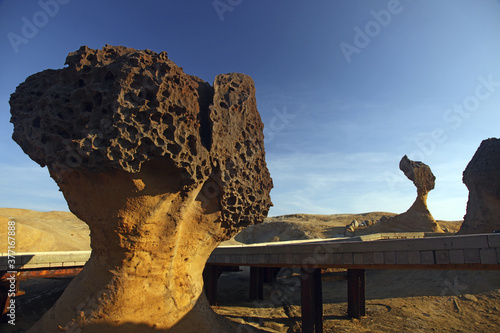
(344, 88)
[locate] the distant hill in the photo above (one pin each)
(44, 231)
(62, 231)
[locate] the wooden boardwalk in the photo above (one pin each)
(356, 254)
(380, 251)
(469, 252)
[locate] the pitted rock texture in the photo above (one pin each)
(482, 178)
(162, 167)
(419, 173)
(115, 108)
(418, 217)
(240, 142)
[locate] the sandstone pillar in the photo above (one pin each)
(417, 217)
(482, 178)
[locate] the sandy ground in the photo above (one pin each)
(397, 301)
(44, 231)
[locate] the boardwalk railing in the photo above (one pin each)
(479, 252)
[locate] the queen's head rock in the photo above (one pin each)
(420, 174)
(482, 178)
(417, 217)
(161, 165)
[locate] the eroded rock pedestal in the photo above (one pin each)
(417, 217)
(162, 167)
(482, 178)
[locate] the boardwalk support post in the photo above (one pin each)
(211, 275)
(355, 293)
(271, 273)
(311, 300)
(257, 283)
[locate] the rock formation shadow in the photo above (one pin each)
(192, 322)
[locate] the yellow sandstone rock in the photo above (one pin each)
(162, 167)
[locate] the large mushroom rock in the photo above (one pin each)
(161, 166)
(482, 178)
(417, 217)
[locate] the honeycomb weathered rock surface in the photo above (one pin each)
(161, 165)
(117, 107)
